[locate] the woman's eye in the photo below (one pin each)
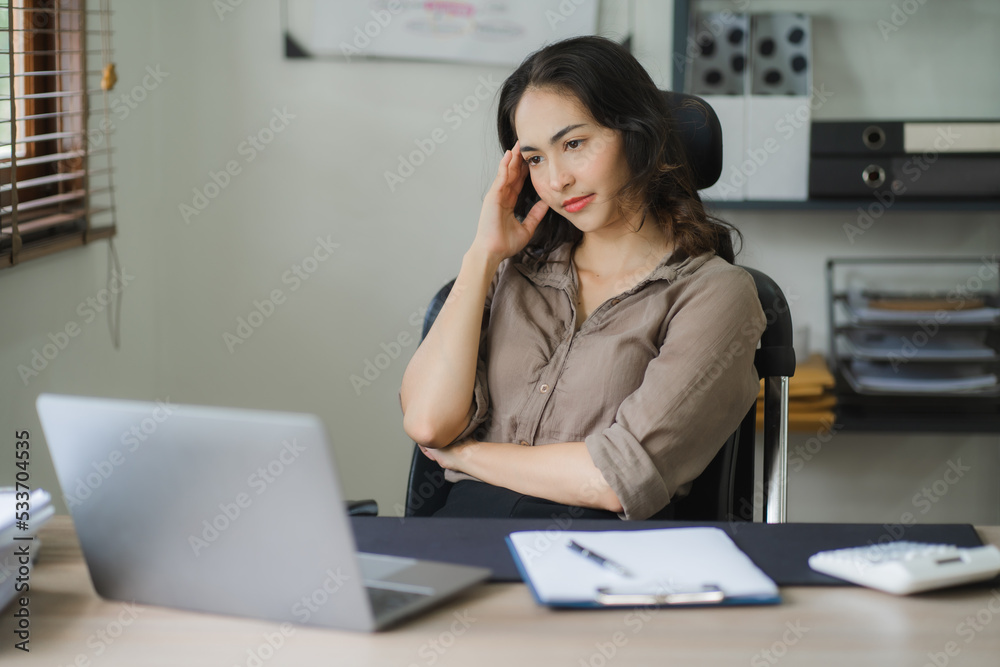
(531, 160)
(574, 143)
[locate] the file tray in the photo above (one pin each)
(907, 329)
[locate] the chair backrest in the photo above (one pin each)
(726, 489)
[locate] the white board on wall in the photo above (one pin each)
(498, 32)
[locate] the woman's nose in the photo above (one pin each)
(559, 176)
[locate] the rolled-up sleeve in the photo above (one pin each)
(693, 395)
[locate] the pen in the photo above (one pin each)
(599, 559)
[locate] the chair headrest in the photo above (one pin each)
(701, 135)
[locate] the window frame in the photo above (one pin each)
(52, 205)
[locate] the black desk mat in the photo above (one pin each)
(780, 550)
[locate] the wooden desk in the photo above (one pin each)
(499, 624)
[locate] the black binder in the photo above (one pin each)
(906, 176)
(856, 138)
(898, 137)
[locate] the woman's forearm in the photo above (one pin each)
(561, 472)
(438, 383)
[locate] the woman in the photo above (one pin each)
(597, 347)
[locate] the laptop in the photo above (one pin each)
(227, 511)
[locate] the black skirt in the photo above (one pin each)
(472, 499)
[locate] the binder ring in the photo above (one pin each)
(873, 137)
(873, 175)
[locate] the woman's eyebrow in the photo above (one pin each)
(555, 137)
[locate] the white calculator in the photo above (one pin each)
(909, 567)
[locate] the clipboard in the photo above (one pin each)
(668, 567)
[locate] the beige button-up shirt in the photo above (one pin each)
(653, 382)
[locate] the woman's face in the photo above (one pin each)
(576, 165)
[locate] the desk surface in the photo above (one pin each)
(499, 624)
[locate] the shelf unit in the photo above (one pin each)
(867, 413)
(894, 411)
(682, 21)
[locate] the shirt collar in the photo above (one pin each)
(559, 272)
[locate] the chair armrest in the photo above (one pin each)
(367, 507)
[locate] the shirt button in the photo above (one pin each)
(523, 443)
(615, 302)
(544, 388)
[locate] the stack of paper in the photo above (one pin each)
(15, 523)
(861, 309)
(811, 401)
(638, 567)
(909, 344)
(920, 379)
(898, 347)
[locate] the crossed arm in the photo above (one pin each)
(562, 472)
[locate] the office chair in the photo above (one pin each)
(727, 489)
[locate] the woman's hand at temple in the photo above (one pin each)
(500, 235)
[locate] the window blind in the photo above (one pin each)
(56, 159)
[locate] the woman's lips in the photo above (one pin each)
(577, 204)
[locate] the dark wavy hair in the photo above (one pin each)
(619, 94)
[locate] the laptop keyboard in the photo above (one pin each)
(385, 600)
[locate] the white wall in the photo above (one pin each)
(322, 176)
